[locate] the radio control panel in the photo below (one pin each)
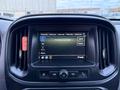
(64, 74)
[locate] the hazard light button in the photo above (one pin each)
(24, 43)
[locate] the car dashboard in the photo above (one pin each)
(60, 52)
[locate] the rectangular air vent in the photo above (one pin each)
(106, 48)
(19, 50)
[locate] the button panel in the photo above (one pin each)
(71, 75)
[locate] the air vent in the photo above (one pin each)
(0, 43)
(106, 49)
(19, 52)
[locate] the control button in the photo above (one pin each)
(43, 74)
(83, 74)
(53, 74)
(73, 73)
(63, 74)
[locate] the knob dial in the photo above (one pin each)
(63, 74)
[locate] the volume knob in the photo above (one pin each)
(63, 74)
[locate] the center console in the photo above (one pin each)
(63, 51)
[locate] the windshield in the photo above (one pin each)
(17, 8)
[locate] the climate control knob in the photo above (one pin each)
(63, 74)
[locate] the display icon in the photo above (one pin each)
(42, 38)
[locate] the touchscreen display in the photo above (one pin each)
(63, 46)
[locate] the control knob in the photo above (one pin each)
(63, 74)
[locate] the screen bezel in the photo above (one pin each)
(90, 31)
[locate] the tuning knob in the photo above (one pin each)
(63, 74)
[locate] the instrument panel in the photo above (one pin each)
(62, 51)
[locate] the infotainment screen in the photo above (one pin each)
(57, 47)
(60, 49)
